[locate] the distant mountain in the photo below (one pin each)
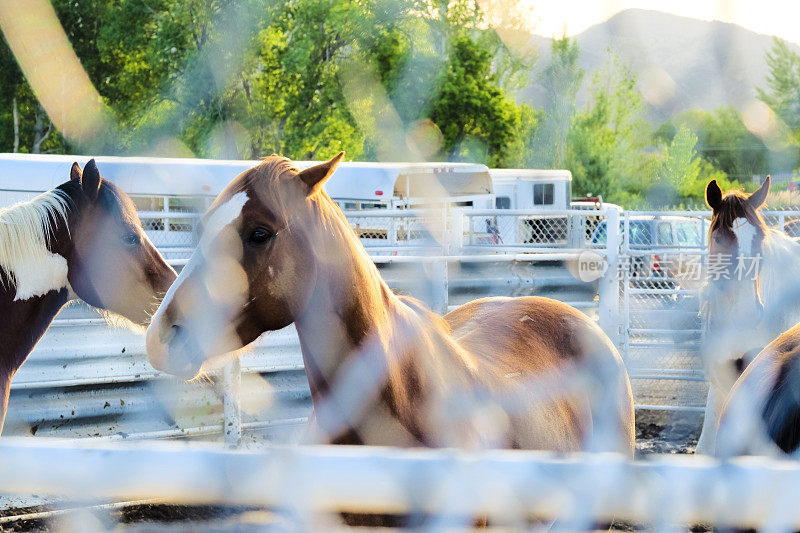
(681, 63)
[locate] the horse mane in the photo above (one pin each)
(26, 229)
(268, 177)
(734, 205)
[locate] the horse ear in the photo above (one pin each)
(757, 198)
(713, 195)
(75, 172)
(90, 180)
(315, 176)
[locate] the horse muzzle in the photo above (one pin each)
(173, 350)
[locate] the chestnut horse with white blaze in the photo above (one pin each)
(82, 239)
(505, 372)
(747, 299)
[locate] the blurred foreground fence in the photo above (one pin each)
(306, 486)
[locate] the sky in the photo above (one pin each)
(771, 17)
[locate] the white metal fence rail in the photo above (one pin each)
(510, 488)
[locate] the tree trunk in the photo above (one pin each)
(16, 126)
(40, 133)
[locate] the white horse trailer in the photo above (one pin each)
(362, 190)
(168, 219)
(543, 194)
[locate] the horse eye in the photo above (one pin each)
(259, 236)
(131, 239)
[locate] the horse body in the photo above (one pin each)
(527, 372)
(24, 322)
(515, 338)
(762, 414)
(80, 240)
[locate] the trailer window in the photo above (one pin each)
(543, 193)
(502, 202)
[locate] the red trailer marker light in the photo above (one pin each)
(378, 193)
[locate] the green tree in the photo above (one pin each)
(683, 175)
(726, 143)
(783, 86)
(477, 120)
(296, 102)
(244, 78)
(24, 124)
(605, 146)
(561, 79)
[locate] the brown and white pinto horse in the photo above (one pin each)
(505, 372)
(745, 299)
(84, 240)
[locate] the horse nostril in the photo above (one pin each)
(166, 335)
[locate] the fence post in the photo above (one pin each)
(232, 421)
(456, 225)
(609, 290)
(437, 284)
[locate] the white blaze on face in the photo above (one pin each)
(222, 216)
(208, 322)
(217, 221)
(745, 234)
(207, 315)
(745, 269)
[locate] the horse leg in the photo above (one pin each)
(708, 435)
(5, 390)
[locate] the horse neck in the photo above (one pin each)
(350, 301)
(33, 283)
(780, 290)
(361, 341)
(24, 322)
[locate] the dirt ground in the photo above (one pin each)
(665, 432)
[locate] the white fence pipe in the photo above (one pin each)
(746, 492)
(483, 258)
(608, 290)
(535, 214)
(232, 419)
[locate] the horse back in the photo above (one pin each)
(763, 409)
(524, 332)
(533, 336)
